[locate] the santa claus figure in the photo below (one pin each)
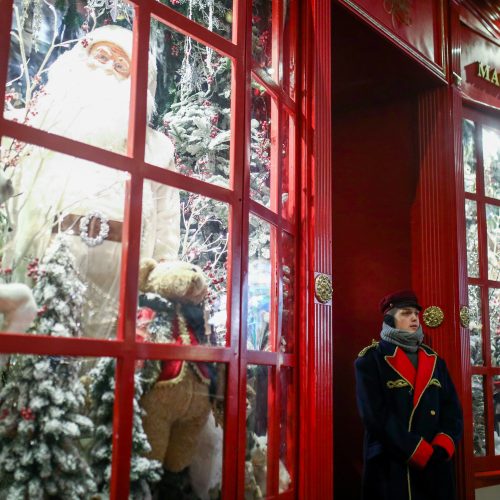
(87, 99)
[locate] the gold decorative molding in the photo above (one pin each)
(433, 316)
(464, 316)
(323, 288)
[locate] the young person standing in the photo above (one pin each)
(412, 416)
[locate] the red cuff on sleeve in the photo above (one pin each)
(445, 442)
(421, 455)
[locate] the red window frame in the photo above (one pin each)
(489, 462)
(125, 348)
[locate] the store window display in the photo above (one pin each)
(61, 223)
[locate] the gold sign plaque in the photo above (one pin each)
(464, 316)
(323, 288)
(433, 316)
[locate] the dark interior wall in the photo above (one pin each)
(375, 178)
(375, 174)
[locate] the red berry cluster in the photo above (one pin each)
(32, 270)
(264, 38)
(203, 167)
(27, 414)
(10, 96)
(41, 311)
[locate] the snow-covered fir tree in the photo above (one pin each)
(41, 420)
(144, 472)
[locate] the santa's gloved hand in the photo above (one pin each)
(438, 456)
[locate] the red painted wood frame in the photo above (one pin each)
(235, 355)
(489, 463)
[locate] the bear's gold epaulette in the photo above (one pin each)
(367, 348)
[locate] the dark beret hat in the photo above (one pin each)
(401, 298)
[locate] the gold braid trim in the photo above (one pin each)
(397, 384)
(367, 348)
(176, 380)
(435, 382)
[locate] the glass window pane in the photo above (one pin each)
(259, 392)
(54, 194)
(471, 238)
(288, 198)
(287, 429)
(191, 88)
(69, 70)
(470, 155)
(493, 235)
(183, 275)
(182, 408)
(144, 472)
(289, 302)
(262, 175)
(494, 303)
(56, 423)
(478, 421)
(217, 15)
(475, 326)
(496, 413)
(262, 36)
(260, 327)
(491, 159)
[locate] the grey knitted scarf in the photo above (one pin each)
(408, 341)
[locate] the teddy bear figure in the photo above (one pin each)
(178, 404)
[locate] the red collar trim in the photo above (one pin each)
(401, 364)
(426, 365)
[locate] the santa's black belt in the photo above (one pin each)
(93, 228)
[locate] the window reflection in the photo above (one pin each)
(256, 459)
(496, 412)
(261, 241)
(491, 160)
(479, 430)
(475, 326)
(469, 154)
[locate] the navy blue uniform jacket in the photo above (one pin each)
(405, 412)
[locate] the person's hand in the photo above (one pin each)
(438, 456)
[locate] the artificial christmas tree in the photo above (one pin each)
(41, 420)
(144, 472)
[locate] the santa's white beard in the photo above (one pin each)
(85, 104)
